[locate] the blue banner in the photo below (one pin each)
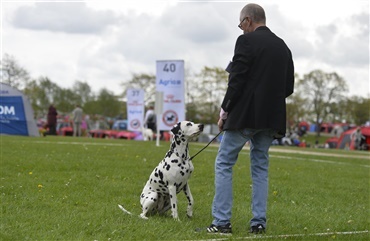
(12, 117)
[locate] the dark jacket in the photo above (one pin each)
(52, 116)
(261, 77)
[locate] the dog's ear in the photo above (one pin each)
(175, 128)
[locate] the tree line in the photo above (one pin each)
(318, 96)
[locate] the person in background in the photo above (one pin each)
(150, 120)
(261, 76)
(358, 138)
(52, 120)
(77, 120)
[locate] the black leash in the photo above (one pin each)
(214, 138)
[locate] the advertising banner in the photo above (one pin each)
(135, 109)
(170, 81)
(12, 118)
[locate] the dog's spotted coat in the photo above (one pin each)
(171, 175)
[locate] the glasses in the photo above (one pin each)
(240, 24)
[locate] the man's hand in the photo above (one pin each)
(221, 121)
(220, 124)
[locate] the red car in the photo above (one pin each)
(64, 128)
(121, 132)
(99, 129)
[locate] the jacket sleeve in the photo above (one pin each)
(289, 87)
(238, 73)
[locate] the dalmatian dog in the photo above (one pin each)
(171, 175)
(147, 133)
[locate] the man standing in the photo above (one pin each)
(358, 138)
(253, 109)
(150, 119)
(77, 120)
(52, 120)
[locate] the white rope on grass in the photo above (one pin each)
(318, 160)
(262, 236)
(82, 143)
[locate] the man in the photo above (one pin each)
(52, 120)
(150, 119)
(253, 109)
(358, 138)
(77, 120)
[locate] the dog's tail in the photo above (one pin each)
(124, 210)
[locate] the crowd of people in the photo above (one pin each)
(52, 121)
(79, 121)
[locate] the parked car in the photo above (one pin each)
(64, 128)
(99, 129)
(120, 125)
(120, 128)
(332, 142)
(346, 140)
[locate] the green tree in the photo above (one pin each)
(320, 89)
(295, 110)
(105, 104)
(65, 100)
(340, 111)
(43, 92)
(295, 107)
(12, 73)
(35, 93)
(359, 109)
(207, 91)
(83, 91)
(142, 81)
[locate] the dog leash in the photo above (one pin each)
(214, 138)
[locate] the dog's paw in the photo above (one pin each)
(143, 216)
(189, 212)
(175, 217)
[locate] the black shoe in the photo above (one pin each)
(225, 229)
(257, 229)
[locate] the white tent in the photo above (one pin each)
(16, 114)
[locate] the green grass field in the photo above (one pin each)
(64, 188)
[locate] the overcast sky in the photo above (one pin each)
(105, 42)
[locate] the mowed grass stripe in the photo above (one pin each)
(289, 150)
(307, 156)
(288, 236)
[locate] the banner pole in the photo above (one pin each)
(158, 109)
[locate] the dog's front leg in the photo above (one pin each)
(173, 199)
(187, 192)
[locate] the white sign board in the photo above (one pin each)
(170, 81)
(135, 109)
